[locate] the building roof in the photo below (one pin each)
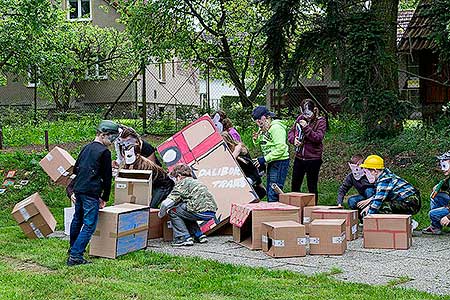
(403, 20)
(417, 34)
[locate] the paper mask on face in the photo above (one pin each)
(128, 147)
(445, 165)
(371, 178)
(357, 171)
(216, 121)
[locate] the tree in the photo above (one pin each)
(224, 35)
(361, 39)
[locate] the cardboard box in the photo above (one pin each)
(121, 229)
(387, 231)
(167, 229)
(68, 216)
(58, 164)
(133, 186)
(247, 220)
(298, 199)
(307, 211)
(155, 225)
(201, 146)
(350, 217)
(327, 237)
(283, 239)
(34, 217)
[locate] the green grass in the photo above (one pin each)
(35, 269)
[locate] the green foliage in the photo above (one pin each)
(226, 36)
(439, 17)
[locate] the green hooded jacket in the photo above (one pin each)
(273, 142)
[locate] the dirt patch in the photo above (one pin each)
(41, 148)
(25, 265)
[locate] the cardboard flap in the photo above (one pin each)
(239, 214)
(144, 175)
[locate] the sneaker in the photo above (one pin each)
(201, 239)
(414, 225)
(73, 261)
(183, 242)
(432, 231)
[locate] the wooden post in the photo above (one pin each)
(1, 138)
(46, 141)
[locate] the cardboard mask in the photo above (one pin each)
(357, 171)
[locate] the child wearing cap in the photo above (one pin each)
(271, 137)
(91, 187)
(357, 179)
(440, 199)
(393, 194)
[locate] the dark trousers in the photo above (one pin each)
(185, 223)
(311, 169)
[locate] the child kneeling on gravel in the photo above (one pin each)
(189, 202)
(440, 199)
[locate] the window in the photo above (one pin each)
(96, 72)
(162, 72)
(79, 10)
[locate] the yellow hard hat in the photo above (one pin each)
(373, 162)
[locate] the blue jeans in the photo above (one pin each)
(276, 173)
(184, 222)
(353, 200)
(439, 209)
(83, 223)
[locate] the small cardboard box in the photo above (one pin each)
(283, 239)
(167, 229)
(34, 217)
(120, 229)
(327, 237)
(298, 199)
(350, 217)
(387, 231)
(247, 220)
(133, 186)
(58, 164)
(155, 225)
(307, 211)
(68, 216)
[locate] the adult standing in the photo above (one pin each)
(307, 136)
(271, 137)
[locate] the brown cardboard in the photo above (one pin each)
(247, 220)
(58, 164)
(133, 186)
(350, 217)
(167, 229)
(283, 239)
(120, 229)
(307, 211)
(327, 237)
(298, 199)
(202, 147)
(387, 231)
(155, 225)
(34, 217)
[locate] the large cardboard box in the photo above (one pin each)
(201, 146)
(34, 217)
(155, 225)
(133, 186)
(327, 237)
(307, 211)
(58, 164)
(247, 220)
(387, 231)
(120, 229)
(350, 217)
(283, 239)
(301, 200)
(68, 216)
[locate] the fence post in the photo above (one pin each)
(46, 140)
(35, 94)
(144, 100)
(208, 96)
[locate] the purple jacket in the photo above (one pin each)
(313, 134)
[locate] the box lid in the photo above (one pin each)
(122, 208)
(328, 222)
(240, 212)
(279, 224)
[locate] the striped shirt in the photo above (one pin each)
(390, 188)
